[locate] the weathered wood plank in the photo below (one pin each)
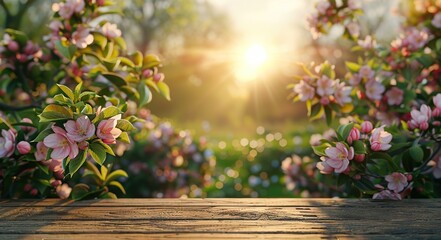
(401, 227)
(217, 213)
(211, 236)
(255, 202)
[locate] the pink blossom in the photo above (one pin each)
(353, 29)
(437, 100)
(304, 91)
(354, 80)
(61, 144)
(342, 93)
(41, 152)
(420, 119)
(436, 21)
(366, 72)
(55, 26)
(325, 86)
(380, 139)
(396, 181)
(82, 37)
(354, 4)
(338, 157)
(63, 191)
(110, 30)
(79, 130)
(374, 90)
(322, 6)
(23, 147)
(323, 167)
(436, 170)
(66, 10)
(367, 43)
(386, 195)
(366, 127)
(394, 96)
(7, 143)
(107, 130)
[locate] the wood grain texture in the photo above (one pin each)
(220, 219)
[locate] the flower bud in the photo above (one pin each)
(83, 145)
(424, 126)
(27, 187)
(436, 112)
(409, 177)
(159, 77)
(357, 177)
(34, 192)
(366, 127)
(13, 46)
(359, 157)
(24, 147)
(324, 101)
(55, 183)
(147, 73)
(354, 135)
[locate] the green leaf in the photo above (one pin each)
(84, 96)
(150, 61)
(320, 150)
(106, 147)
(40, 137)
(359, 147)
(104, 172)
(67, 91)
(344, 130)
(124, 137)
(108, 195)
(118, 185)
(127, 62)
(18, 36)
(125, 125)
(137, 58)
(76, 163)
(416, 153)
(438, 44)
(55, 112)
(61, 99)
(145, 96)
(115, 175)
(353, 67)
(65, 51)
(109, 112)
(120, 42)
(164, 90)
(97, 152)
(80, 191)
(100, 40)
(78, 90)
(426, 60)
(115, 79)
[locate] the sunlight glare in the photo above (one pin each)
(253, 59)
(255, 56)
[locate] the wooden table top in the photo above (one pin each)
(220, 219)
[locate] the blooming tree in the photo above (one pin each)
(389, 100)
(64, 105)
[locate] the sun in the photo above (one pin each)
(251, 62)
(255, 56)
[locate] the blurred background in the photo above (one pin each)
(229, 130)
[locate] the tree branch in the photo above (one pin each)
(6, 107)
(3, 5)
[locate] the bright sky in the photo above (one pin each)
(277, 27)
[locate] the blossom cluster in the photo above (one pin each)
(64, 104)
(333, 12)
(166, 162)
(395, 85)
